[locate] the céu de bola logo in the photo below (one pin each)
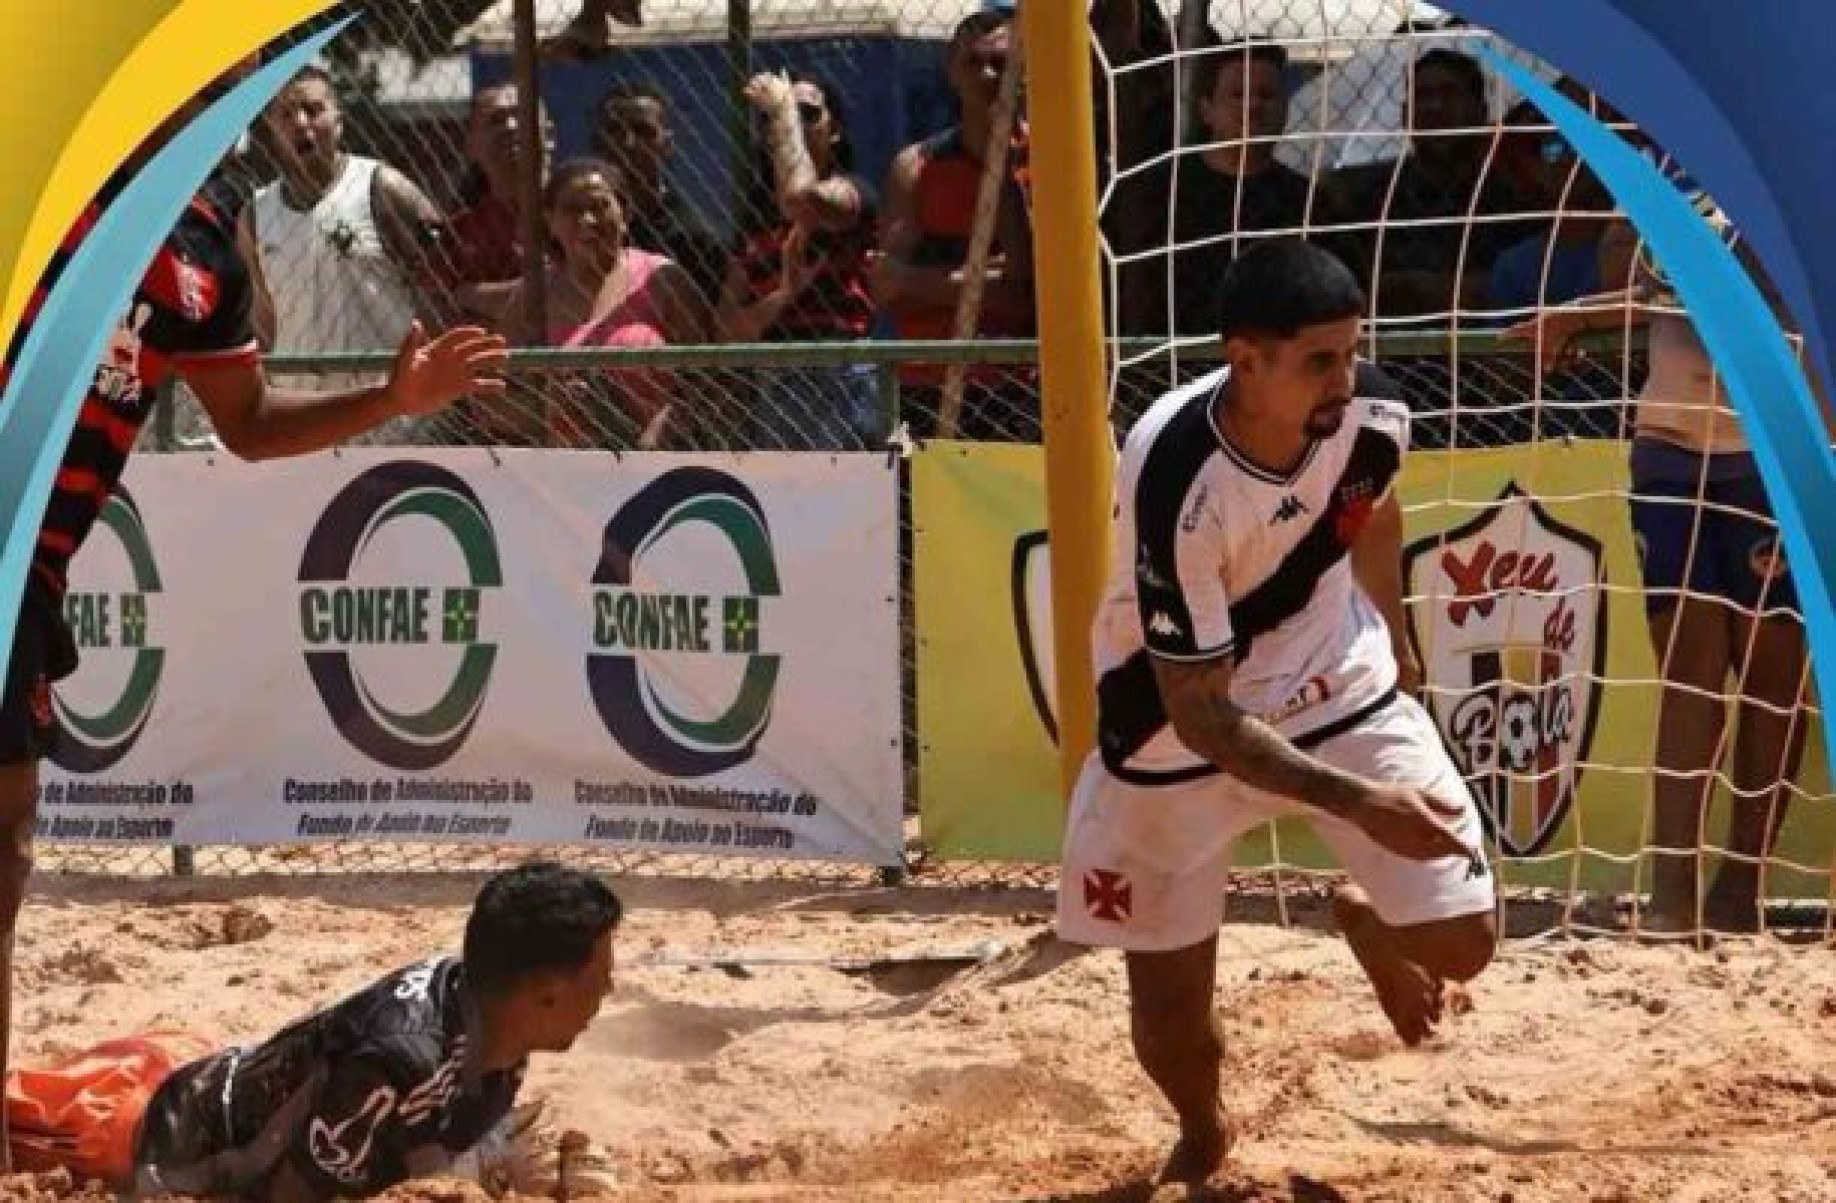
(100, 620)
(639, 632)
(337, 618)
(1513, 625)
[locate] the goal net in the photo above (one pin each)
(1613, 654)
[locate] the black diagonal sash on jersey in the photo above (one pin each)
(1130, 711)
(1367, 476)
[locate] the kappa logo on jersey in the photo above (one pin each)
(343, 1148)
(1291, 507)
(1515, 626)
(1108, 896)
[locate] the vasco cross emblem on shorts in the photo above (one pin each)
(1108, 896)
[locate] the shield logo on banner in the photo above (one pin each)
(1510, 619)
(1032, 600)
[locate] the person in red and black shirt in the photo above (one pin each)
(800, 272)
(487, 238)
(190, 316)
(930, 216)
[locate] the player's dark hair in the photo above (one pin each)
(1247, 51)
(976, 26)
(1457, 63)
(540, 917)
(1278, 287)
(311, 72)
(630, 91)
(569, 170)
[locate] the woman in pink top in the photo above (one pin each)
(602, 293)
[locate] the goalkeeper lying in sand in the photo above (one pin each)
(415, 1075)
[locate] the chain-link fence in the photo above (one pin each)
(731, 263)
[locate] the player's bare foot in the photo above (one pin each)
(1409, 995)
(1196, 1156)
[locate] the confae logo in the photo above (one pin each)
(1512, 619)
(650, 641)
(341, 621)
(111, 627)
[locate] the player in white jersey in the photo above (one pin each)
(1247, 656)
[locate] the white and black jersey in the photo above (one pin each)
(354, 1099)
(1214, 556)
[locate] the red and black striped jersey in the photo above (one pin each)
(192, 306)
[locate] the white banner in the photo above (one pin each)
(682, 653)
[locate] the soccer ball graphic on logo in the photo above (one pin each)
(1517, 733)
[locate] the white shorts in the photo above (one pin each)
(1144, 867)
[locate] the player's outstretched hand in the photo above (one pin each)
(464, 361)
(1410, 823)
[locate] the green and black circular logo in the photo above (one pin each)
(640, 631)
(341, 620)
(100, 621)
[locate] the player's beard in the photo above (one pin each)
(1325, 420)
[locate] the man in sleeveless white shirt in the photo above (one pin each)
(1247, 660)
(340, 244)
(1720, 604)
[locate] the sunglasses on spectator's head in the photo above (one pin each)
(811, 112)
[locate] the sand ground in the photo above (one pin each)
(759, 1046)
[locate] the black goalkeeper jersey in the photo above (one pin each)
(356, 1098)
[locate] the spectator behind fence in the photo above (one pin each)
(800, 274)
(1431, 239)
(924, 243)
(635, 136)
(338, 244)
(1575, 254)
(1232, 193)
(1720, 602)
(604, 292)
(486, 256)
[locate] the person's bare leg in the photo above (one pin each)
(18, 816)
(1408, 966)
(1692, 642)
(1178, 1042)
(1770, 729)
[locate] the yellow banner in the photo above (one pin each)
(1525, 606)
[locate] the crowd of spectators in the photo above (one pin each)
(1475, 223)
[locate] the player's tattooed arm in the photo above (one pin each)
(1197, 700)
(1403, 820)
